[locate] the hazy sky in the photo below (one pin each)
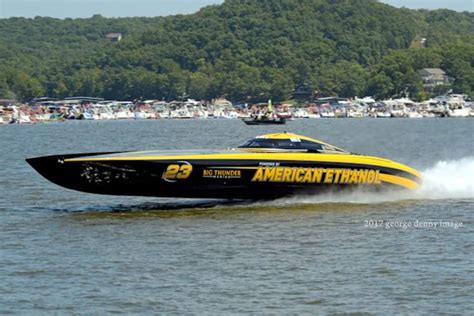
(119, 8)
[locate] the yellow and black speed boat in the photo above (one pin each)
(265, 167)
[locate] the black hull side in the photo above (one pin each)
(147, 178)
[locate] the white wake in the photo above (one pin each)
(449, 180)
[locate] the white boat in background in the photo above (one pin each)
(123, 114)
(221, 102)
(22, 119)
(181, 113)
(2, 115)
(436, 108)
(144, 110)
(43, 117)
(365, 101)
(216, 113)
(162, 109)
(121, 110)
(414, 114)
(459, 111)
(381, 110)
(162, 115)
(19, 117)
(405, 101)
(286, 114)
(383, 114)
(457, 106)
(326, 111)
(232, 115)
(356, 111)
(199, 113)
(453, 105)
(142, 115)
(314, 115)
(104, 113)
(340, 111)
(301, 113)
(313, 111)
(398, 109)
(424, 109)
(88, 115)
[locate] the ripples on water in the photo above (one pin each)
(69, 252)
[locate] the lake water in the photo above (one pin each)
(70, 252)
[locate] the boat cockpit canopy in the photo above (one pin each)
(289, 145)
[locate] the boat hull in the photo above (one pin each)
(227, 176)
(279, 121)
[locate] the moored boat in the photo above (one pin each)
(264, 121)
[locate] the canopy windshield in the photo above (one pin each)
(291, 144)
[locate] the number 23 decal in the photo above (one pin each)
(176, 172)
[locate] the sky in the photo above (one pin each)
(123, 8)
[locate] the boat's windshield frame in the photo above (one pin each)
(290, 144)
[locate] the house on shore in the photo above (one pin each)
(302, 92)
(433, 77)
(114, 37)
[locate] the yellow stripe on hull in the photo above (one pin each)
(400, 181)
(306, 157)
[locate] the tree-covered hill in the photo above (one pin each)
(242, 49)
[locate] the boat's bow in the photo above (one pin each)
(57, 171)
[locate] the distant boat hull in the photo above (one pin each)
(277, 121)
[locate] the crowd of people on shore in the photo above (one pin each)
(83, 108)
